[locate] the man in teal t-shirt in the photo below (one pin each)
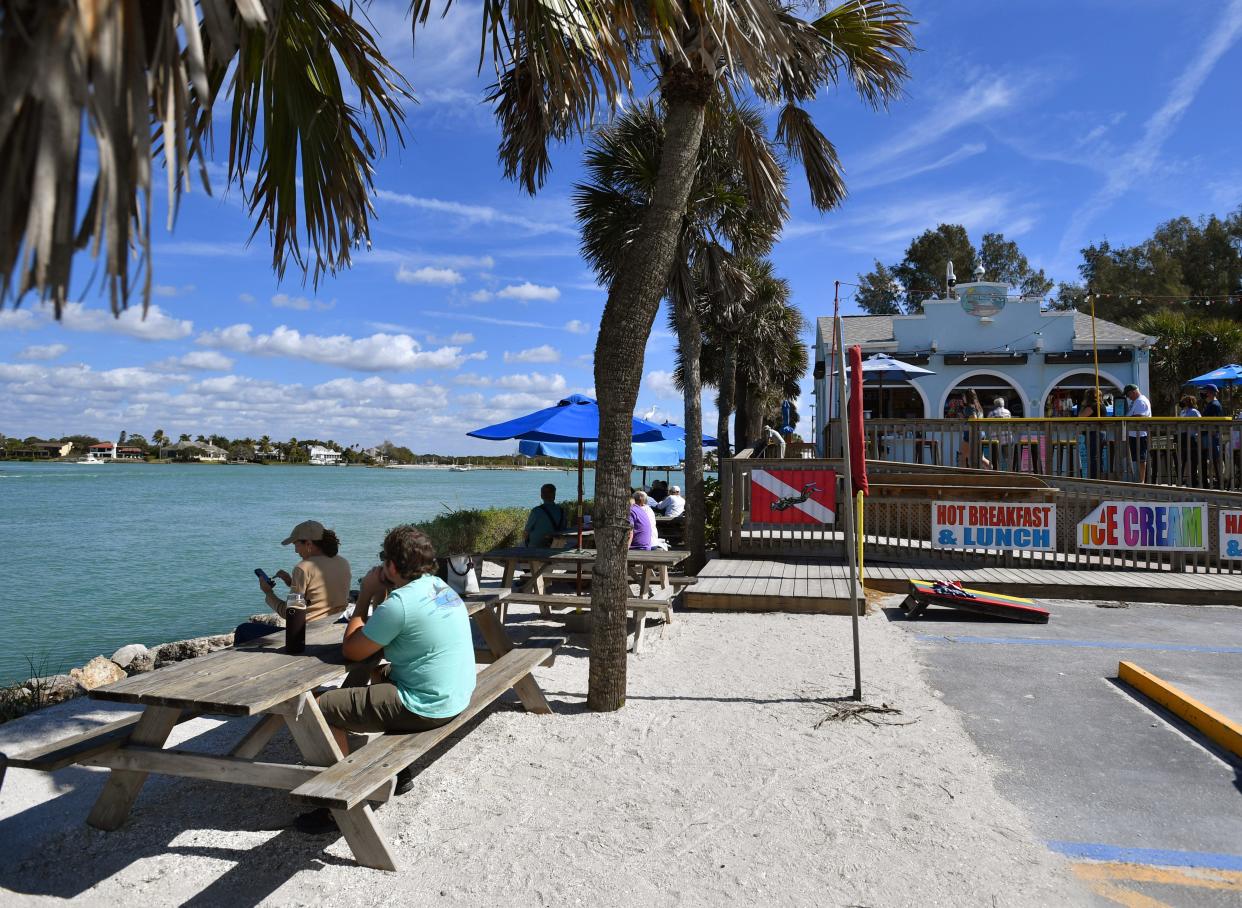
(545, 520)
(424, 631)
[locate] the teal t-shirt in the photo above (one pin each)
(543, 521)
(425, 632)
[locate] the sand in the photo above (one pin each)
(717, 783)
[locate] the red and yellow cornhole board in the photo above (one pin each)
(924, 593)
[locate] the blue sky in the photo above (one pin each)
(1057, 124)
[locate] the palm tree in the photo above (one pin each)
(727, 215)
(112, 69)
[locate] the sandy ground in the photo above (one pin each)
(713, 785)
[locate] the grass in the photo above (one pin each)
(22, 697)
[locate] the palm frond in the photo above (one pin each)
(805, 142)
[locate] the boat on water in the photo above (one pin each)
(457, 468)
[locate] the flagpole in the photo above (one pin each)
(847, 499)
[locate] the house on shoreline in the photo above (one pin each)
(324, 457)
(1041, 362)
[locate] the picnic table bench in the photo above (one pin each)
(261, 679)
(653, 565)
(640, 609)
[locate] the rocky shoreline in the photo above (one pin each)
(132, 659)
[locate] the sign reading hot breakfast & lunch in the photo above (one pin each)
(1153, 526)
(1230, 534)
(990, 525)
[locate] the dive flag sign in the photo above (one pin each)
(793, 496)
(1145, 526)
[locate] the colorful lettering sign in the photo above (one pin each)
(793, 496)
(1230, 534)
(993, 525)
(1159, 526)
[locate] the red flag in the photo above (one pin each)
(858, 441)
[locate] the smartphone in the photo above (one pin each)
(259, 572)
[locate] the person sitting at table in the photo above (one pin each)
(423, 629)
(642, 523)
(673, 505)
(545, 520)
(322, 577)
(656, 541)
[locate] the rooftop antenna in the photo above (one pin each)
(979, 272)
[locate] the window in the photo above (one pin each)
(989, 388)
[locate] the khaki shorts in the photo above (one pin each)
(375, 708)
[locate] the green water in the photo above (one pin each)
(94, 557)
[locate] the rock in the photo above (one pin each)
(268, 618)
(55, 688)
(180, 650)
(219, 641)
(127, 654)
(141, 664)
(99, 672)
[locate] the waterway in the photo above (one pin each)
(96, 556)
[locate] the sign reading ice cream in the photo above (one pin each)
(989, 525)
(1145, 525)
(1231, 535)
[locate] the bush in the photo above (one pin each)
(471, 532)
(711, 519)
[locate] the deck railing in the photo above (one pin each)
(1199, 453)
(899, 512)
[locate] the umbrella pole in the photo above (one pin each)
(581, 457)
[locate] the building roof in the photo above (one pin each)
(869, 330)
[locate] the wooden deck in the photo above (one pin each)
(803, 585)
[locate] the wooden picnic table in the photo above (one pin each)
(653, 564)
(259, 679)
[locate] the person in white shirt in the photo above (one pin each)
(1140, 408)
(999, 410)
(673, 504)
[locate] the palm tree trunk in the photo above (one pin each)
(633, 300)
(690, 341)
(728, 385)
(742, 405)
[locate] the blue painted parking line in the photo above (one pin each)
(1155, 857)
(1082, 644)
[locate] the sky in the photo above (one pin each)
(1058, 124)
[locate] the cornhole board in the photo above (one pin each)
(1015, 608)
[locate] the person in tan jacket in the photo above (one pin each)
(322, 576)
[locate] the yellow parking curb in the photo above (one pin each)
(1220, 729)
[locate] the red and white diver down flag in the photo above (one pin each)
(793, 496)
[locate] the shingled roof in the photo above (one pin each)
(878, 329)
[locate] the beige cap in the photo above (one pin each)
(311, 530)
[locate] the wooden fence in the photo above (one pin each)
(898, 517)
(1197, 453)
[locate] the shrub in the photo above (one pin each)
(470, 532)
(711, 519)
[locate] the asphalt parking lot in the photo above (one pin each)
(1144, 805)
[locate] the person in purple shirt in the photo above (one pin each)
(642, 532)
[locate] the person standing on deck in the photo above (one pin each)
(1140, 408)
(1210, 443)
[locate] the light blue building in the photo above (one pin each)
(1039, 362)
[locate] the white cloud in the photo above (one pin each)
(199, 360)
(167, 290)
(246, 297)
(528, 292)
(157, 325)
(204, 249)
(488, 320)
(474, 214)
(574, 326)
(18, 320)
(301, 303)
(429, 275)
(661, 384)
(481, 296)
(521, 401)
(41, 352)
(377, 353)
(1141, 159)
(534, 382)
(418, 258)
(542, 354)
(457, 337)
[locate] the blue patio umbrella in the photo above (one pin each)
(642, 453)
(574, 419)
(883, 367)
(1228, 376)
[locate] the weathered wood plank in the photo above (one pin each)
(122, 787)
